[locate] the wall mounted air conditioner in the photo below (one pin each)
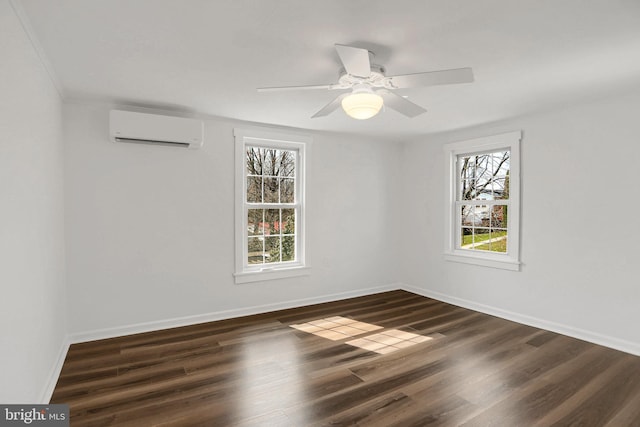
(127, 126)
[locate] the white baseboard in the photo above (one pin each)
(582, 334)
(118, 331)
(47, 392)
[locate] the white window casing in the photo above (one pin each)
(454, 250)
(246, 271)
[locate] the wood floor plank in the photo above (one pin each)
(605, 398)
(373, 412)
(435, 413)
(474, 369)
(527, 405)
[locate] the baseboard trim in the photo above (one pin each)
(582, 334)
(119, 331)
(47, 392)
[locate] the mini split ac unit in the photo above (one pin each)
(127, 126)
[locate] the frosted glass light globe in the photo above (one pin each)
(362, 104)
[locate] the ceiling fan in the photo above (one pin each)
(369, 88)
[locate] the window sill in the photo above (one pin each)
(504, 264)
(271, 274)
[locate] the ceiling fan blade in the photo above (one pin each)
(330, 107)
(444, 77)
(400, 104)
(355, 60)
(288, 88)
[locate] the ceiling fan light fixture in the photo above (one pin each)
(362, 77)
(362, 103)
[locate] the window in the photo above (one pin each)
(269, 205)
(484, 200)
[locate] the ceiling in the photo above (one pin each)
(209, 57)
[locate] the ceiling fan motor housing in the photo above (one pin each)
(375, 79)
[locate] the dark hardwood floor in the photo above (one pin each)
(471, 369)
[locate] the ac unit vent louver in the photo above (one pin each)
(153, 129)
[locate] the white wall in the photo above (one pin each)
(33, 310)
(150, 229)
(580, 241)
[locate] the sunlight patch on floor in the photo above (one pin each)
(388, 341)
(336, 328)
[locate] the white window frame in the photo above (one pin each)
(511, 259)
(244, 272)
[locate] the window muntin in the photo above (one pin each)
(269, 205)
(483, 220)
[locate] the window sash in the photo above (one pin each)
(296, 206)
(260, 266)
(460, 226)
